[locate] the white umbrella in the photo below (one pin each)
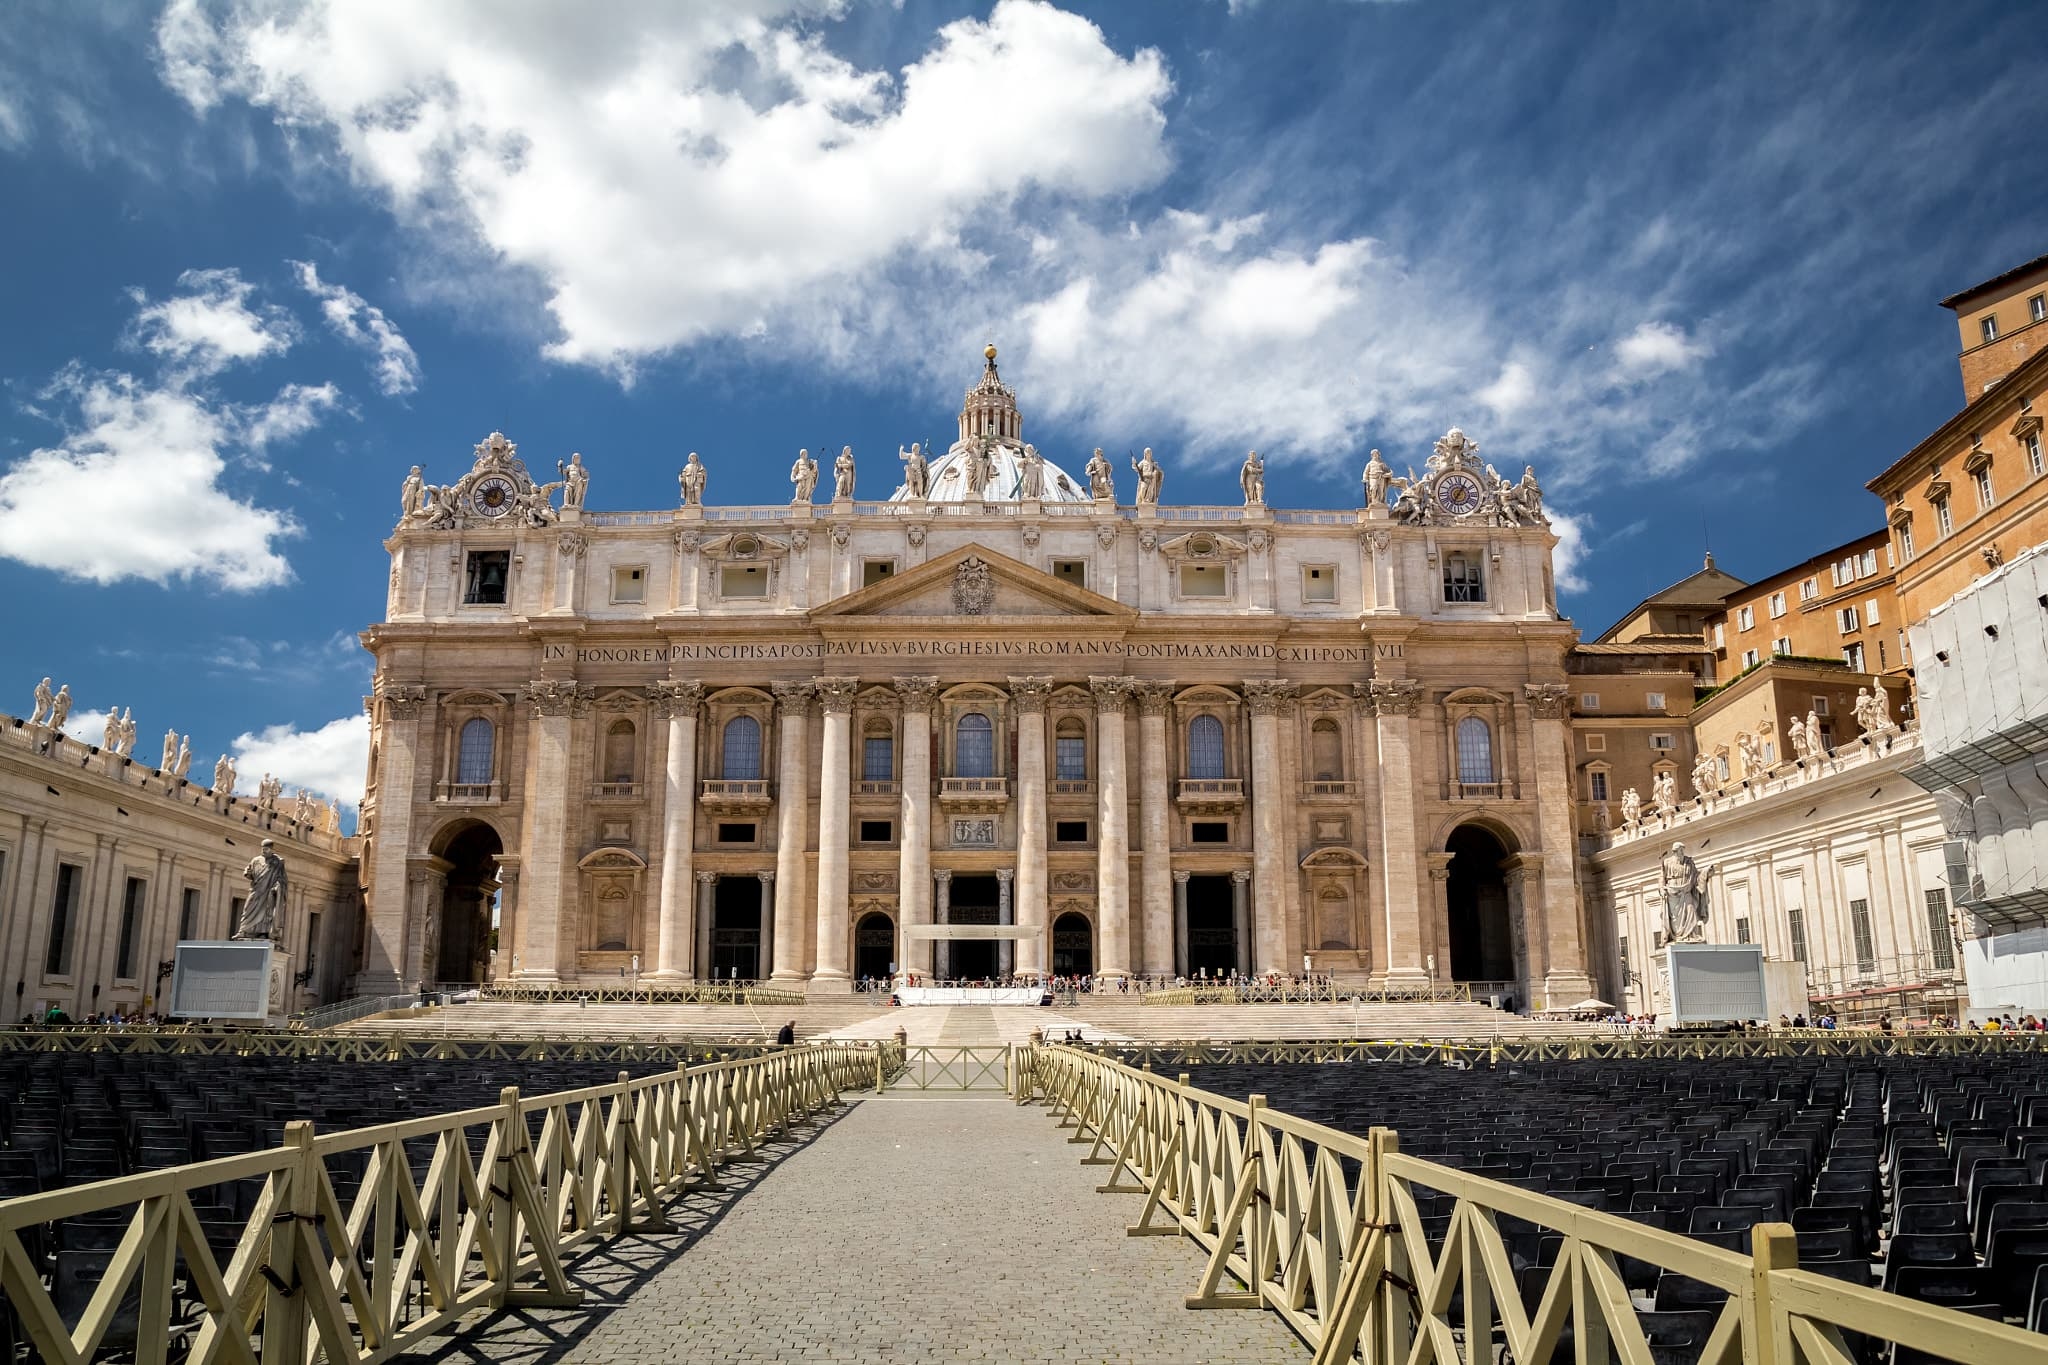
(1590, 1004)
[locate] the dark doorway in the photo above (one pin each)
(1212, 927)
(874, 945)
(975, 900)
(1073, 946)
(468, 899)
(1482, 940)
(736, 929)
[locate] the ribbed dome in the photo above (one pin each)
(948, 479)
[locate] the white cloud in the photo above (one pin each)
(296, 410)
(361, 323)
(684, 172)
(1655, 348)
(329, 762)
(211, 325)
(1570, 551)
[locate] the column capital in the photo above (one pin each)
(1393, 696)
(1180, 876)
(1111, 694)
(767, 878)
(1269, 696)
(836, 694)
(706, 878)
(1155, 695)
(400, 699)
(1030, 694)
(942, 874)
(793, 698)
(673, 697)
(558, 697)
(1004, 874)
(1548, 701)
(1241, 876)
(917, 692)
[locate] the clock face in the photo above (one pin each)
(493, 497)
(1458, 494)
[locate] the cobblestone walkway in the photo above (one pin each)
(911, 1229)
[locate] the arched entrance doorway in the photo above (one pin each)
(736, 929)
(874, 945)
(1073, 945)
(1482, 939)
(469, 899)
(1212, 928)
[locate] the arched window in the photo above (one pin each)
(1326, 752)
(974, 746)
(1205, 747)
(474, 752)
(1070, 751)
(618, 751)
(1475, 750)
(877, 753)
(742, 758)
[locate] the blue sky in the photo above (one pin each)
(1683, 258)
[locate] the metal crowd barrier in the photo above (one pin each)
(1322, 1227)
(504, 1194)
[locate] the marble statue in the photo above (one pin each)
(127, 732)
(1815, 745)
(302, 807)
(1031, 483)
(1408, 504)
(537, 504)
(917, 475)
(224, 776)
(1377, 475)
(1795, 733)
(1631, 809)
(43, 695)
(170, 757)
(1101, 478)
(263, 912)
(1600, 825)
(1252, 479)
(842, 474)
(1881, 707)
(1151, 477)
(1528, 497)
(1664, 791)
(110, 732)
(803, 476)
(691, 481)
(980, 466)
(267, 791)
(1752, 751)
(1685, 897)
(60, 706)
(182, 764)
(575, 480)
(413, 495)
(1705, 775)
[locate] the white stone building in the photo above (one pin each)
(756, 742)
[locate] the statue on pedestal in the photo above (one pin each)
(224, 776)
(1031, 482)
(60, 707)
(110, 732)
(575, 480)
(1752, 752)
(127, 732)
(1881, 707)
(1664, 791)
(1705, 775)
(182, 764)
(1685, 897)
(170, 755)
(1151, 477)
(263, 912)
(1815, 743)
(842, 474)
(1631, 809)
(1101, 477)
(43, 696)
(980, 466)
(1377, 475)
(803, 476)
(412, 495)
(916, 473)
(1252, 479)
(691, 480)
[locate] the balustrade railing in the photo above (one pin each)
(359, 1245)
(645, 993)
(1325, 1228)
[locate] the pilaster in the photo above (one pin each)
(544, 852)
(1029, 695)
(1409, 942)
(1112, 834)
(835, 699)
(1156, 940)
(1268, 699)
(792, 824)
(1563, 934)
(914, 838)
(678, 702)
(396, 711)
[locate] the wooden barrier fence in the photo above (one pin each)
(449, 1214)
(1323, 1228)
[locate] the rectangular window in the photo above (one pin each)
(1742, 929)
(1835, 572)
(735, 833)
(1847, 620)
(1940, 937)
(874, 571)
(878, 759)
(1624, 959)
(1720, 635)
(629, 583)
(1463, 581)
(1073, 571)
(1749, 658)
(1906, 543)
(1596, 744)
(1318, 583)
(131, 927)
(1984, 494)
(1599, 781)
(877, 831)
(1662, 742)
(1852, 655)
(1782, 645)
(2037, 308)
(1795, 921)
(1589, 701)
(188, 915)
(1989, 327)
(1203, 580)
(235, 916)
(1745, 617)
(1943, 522)
(63, 910)
(1210, 832)
(1869, 562)
(1870, 612)
(1777, 605)
(484, 583)
(1859, 930)
(2032, 445)
(1820, 706)
(1070, 831)
(743, 580)
(1070, 758)
(1809, 589)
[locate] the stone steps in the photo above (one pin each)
(1280, 1023)
(512, 1019)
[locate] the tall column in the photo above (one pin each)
(555, 703)
(765, 954)
(914, 839)
(1155, 826)
(1436, 933)
(508, 915)
(1180, 923)
(792, 824)
(835, 786)
(1241, 918)
(942, 957)
(707, 888)
(1393, 702)
(1563, 938)
(395, 718)
(1029, 695)
(1005, 914)
(679, 703)
(1269, 699)
(1112, 833)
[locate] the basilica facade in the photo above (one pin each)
(816, 742)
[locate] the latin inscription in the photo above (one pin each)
(1104, 651)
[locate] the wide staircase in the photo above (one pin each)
(518, 1019)
(1131, 1018)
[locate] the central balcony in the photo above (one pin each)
(970, 795)
(736, 796)
(1205, 795)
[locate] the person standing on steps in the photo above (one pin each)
(786, 1035)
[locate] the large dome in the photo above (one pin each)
(948, 479)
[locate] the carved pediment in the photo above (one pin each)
(1202, 545)
(1334, 860)
(744, 545)
(972, 583)
(612, 860)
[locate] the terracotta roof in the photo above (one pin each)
(1642, 647)
(2003, 277)
(1693, 590)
